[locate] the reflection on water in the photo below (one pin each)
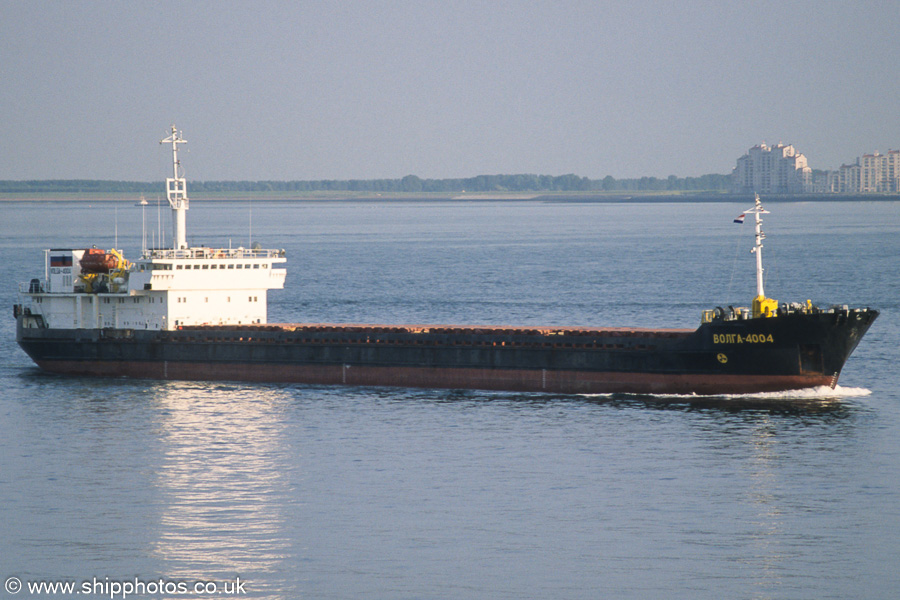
(766, 555)
(307, 491)
(221, 483)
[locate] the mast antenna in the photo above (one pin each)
(762, 306)
(758, 245)
(176, 190)
(143, 228)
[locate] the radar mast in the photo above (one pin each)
(176, 191)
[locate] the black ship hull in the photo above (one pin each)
(790, 351)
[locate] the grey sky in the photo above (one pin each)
(322, 90)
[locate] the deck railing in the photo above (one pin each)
(169, 253)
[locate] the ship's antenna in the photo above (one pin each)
(143, 228)
(176, 190)
(157, 243)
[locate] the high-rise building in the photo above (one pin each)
(779, 169)
(871, 174)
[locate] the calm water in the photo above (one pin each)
(314, 492)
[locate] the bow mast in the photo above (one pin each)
(762, 306)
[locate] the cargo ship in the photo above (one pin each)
(199, 313)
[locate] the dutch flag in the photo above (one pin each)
(740, 219)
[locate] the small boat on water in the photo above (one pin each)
(199, 313)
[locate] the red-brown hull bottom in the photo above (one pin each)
(565, 382)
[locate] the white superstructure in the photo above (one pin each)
(164, 288)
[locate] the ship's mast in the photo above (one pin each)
(762, 306)
(758, 246)
(176, 191)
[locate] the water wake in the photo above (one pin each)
(807, 394)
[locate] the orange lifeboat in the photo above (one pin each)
(96, 260)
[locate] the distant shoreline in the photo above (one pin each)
(563, 197)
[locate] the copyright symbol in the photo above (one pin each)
(13, 585)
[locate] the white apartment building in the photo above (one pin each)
(779, 169)
(870, 174)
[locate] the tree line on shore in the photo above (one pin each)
(408, 184)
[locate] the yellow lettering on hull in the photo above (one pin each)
(736, 338)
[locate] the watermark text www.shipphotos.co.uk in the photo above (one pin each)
(122, 589)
